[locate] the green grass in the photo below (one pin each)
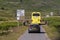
(10, 7)
(51, 32)
(53, 27)
(6, 25)
(9, 30)
(17, 32)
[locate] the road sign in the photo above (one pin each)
(20, 13)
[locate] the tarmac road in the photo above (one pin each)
(34, 36)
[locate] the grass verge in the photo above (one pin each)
(17, 31)
(53, 27)
(51, 32)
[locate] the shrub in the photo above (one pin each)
(3, 19)
(7, 25)
(54, 22)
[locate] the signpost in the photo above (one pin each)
(20, 13)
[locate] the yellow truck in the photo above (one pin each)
(36, 22)
(36, 18)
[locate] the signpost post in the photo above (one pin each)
(18, 21)
(20, 13)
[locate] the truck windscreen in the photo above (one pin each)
(36, 15)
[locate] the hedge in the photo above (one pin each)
(54, 22)
(7, 25)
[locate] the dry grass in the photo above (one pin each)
(51, 31)
(15, 34)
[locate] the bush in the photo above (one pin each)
(3, 19)
(6, 18)
(7, 25)
(54, 22)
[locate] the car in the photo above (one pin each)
(34, 28)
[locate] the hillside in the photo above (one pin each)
(8, 7)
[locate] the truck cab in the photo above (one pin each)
(36, 18)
